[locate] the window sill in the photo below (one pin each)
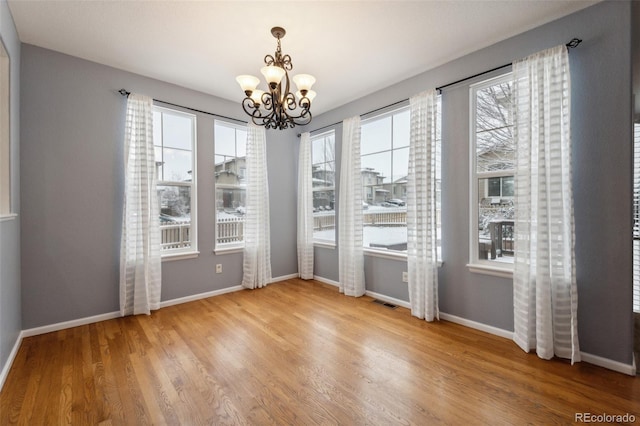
(325, 244)
(385, 254)
(492, 270)
(228, 250)
(170, 257)
(8, 217)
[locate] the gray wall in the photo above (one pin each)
(601, 125)
(10, 314)
(72, 136)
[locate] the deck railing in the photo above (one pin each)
(175, 235)
(378, 218)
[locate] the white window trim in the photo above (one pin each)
(6, 166)
(8, 217)
(323, 242)
(476, 265)
(224, 248)
(191, 252)
(381, 252)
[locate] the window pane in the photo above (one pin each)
(376, 168)
(177, 165)
(376, 136)
(495, 222)
(225, 141)
(401, 129)
(177, 131)
(241, 143)
(175, 216)
(175, 202)
(330, 148)
(400, 165)
(317, 151)
(494, 107)
(230, 189)
(323, 182)
(495, 150)
(157, 128)
(321, 176)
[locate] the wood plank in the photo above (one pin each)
(296, 352)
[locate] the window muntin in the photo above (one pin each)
(230, 153)
(493, 170)
(384, 166)
(175, 145)
(323, 176)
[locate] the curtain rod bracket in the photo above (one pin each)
(124, 92)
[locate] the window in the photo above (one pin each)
(493, 168)
(5, 140)
(385, 165)
(230, 146)
(175, 142)
(323, 175)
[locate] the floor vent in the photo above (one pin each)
(385, 304)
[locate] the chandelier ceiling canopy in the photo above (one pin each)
(278, 107)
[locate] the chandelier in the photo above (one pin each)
(277, 108)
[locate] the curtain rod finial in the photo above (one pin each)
(124, 92)
(574, 42)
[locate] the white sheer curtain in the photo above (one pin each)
(351, 256)
(305, 209)
(544, 278)
(422, 255)
(257, 244)
(140, 264)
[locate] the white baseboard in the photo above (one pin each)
(477, 325)
(326, 281)
(388, 299)
(69, 324)
(629, 369)
(284, 278)
(199, 296)
(12, 356)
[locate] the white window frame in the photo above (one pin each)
(6, 202)
(402, 255)
(192, 251)
(224, 248)
(323, 242)
(477, 265)
(374, 251)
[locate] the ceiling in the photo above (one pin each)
(353, 48)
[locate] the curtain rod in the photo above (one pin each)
(573, 43)
(124, 92)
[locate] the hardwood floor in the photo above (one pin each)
(294, 353)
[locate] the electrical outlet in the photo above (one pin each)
(405, 277)
(219, 268)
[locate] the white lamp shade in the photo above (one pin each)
(304, 81)
(248, 83)
(256, 96)
(272, 74)
(310, 95)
